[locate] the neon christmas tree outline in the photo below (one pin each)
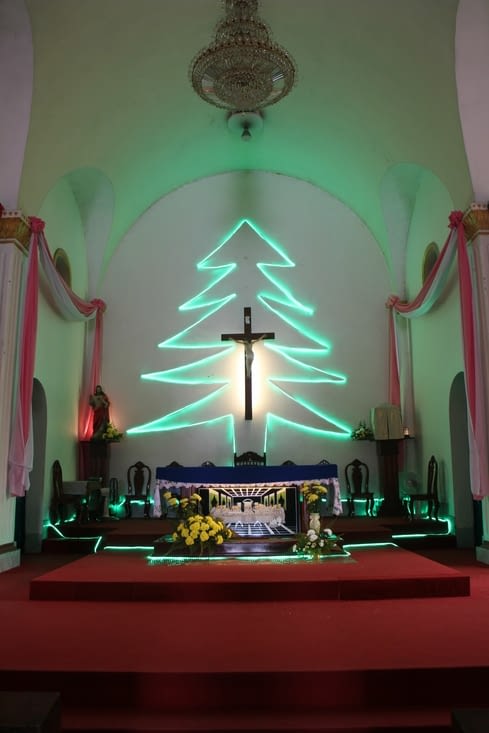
(214, 407)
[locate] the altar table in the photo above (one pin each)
(249, 477)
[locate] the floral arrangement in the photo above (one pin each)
(316, 544)
(313, 493)
(200, 534)
(188, 507)
(111, 432)
(171, 501)
(362, 432)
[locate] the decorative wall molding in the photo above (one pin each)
(476, 220)
(14, 227)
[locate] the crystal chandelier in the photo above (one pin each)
(242, 70)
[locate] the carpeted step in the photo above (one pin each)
(329, 695)
(383, 572)
(426, 542)
(245, 720)
(417, 533)
(70, 545)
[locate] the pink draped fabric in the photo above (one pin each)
(425, 299)
(71, 307)
(21, 448)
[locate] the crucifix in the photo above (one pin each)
(247, 338)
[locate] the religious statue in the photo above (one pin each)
(100, 403)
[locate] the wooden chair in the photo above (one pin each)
(430, 496)
(92, 509)
(324, 462)
(250, 458)
(174, 464)
(61, 502)
(357, 476)
(207, 464)
(288, 463)
(113, 499)
(138, 487)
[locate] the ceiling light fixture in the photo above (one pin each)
(242, 70)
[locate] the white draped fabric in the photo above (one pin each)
(71, 308)
(422, 303)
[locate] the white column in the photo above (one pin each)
(476, 225)
(14, 237)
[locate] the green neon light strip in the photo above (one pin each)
(174, 559)
(316, 375)
(177, 341)
(78, 537)
(53, 526)
(306, 429)
(314, 410)
(174, 420)
(125, 548)
(358, 545)
(295, 324)
(183, 374)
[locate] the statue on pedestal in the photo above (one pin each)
(100, 404)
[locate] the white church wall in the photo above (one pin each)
(436, 338)
(339, 273)
(16, 54)
(60, 343)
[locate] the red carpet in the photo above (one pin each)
(380, 572)
(370, 665)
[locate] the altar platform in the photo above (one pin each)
(381, 572)
(381, 664)
(133, 533)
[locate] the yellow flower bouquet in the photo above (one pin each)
(198, 534)
(111, 433)
(313, 495)
(187, 507)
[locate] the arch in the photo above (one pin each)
(91, 195)
(404, 192)
(429, 259)
(62, 265)
(462, 497)
(35, 497)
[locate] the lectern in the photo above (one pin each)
(388, 433)
(388, 461)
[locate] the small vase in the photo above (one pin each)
(315, 522)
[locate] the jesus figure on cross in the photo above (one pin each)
(247, 338)
(249, 354)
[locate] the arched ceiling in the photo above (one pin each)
(376, 88)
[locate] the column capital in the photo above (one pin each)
(14, 227)
(476, 220)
